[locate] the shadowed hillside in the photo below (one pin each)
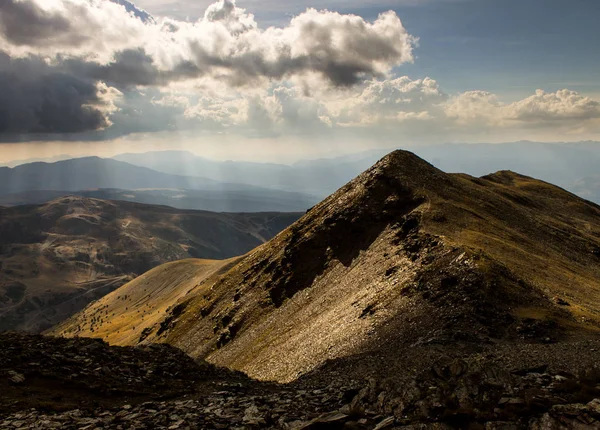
(403, 256)
(57, 257)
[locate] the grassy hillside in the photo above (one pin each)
(57, 257)
(127, 316)
(403, 256)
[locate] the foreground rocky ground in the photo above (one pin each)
(86, 384)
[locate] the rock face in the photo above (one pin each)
(403, 256)
(57, 257)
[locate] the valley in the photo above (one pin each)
(57, 257)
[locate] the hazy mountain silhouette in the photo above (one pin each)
(315, 177)
(60, 157)
(106, 178)
(563, 164)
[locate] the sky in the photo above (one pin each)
(271, 80)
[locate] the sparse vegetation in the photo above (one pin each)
(368, 267)
(57, 257)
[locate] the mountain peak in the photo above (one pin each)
(401, 156)
(405, 170)
(362, 273)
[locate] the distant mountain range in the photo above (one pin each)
(562, 164)
(314, 177)
(39, 182)
(94, 172)
(565, 164)
(588, 188)
(184, 180)
(60, 157)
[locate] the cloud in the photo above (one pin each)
(391, 102)
(226, 44)
(474, 108)
(401, 105)
(345, 48)
(418, 109)
(284, 111)
(208, 112)
(552, 110)
(235, 19)
(98, 69)
(90, 28)
(34, 98)
(563, 105)
(25, 23)
(273, 10)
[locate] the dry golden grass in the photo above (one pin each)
(402, 255)
(121, 317)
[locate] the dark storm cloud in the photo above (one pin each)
(35, 98)
(26, 23)
(129, 67)
(63, 62)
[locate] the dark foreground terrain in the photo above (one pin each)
(86, 384)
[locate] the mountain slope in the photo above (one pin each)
(403, 256)
(57, 257)
(126, 315)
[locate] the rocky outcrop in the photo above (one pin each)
(86, 384)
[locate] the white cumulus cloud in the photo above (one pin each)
(109, 68)
(226, 44)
